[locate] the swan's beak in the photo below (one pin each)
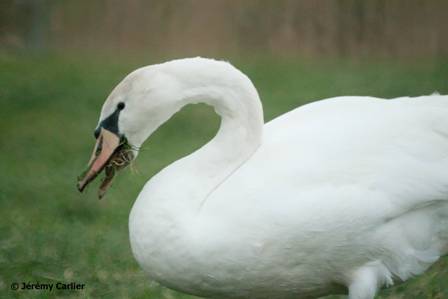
(106, 145)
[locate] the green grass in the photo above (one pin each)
(49, 108)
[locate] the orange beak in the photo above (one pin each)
(106, 144)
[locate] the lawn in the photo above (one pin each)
(49, 108)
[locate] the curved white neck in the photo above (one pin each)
(182, 188)
(165, 210)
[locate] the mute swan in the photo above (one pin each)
(348, 194)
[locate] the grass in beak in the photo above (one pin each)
(121, 158)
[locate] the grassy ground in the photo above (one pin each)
(49, 108)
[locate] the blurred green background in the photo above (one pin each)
(60, 59)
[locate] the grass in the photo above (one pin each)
(50, 105)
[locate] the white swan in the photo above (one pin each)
(348, 194)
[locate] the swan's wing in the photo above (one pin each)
(396, 147)
(354, 156)
(383, 157)
(362, 168)
(358, 176)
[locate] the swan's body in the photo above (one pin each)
(349, 192)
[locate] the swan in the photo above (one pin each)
(343, 195)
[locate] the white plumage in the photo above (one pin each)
(348, 193)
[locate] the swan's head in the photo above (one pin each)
(143, 101)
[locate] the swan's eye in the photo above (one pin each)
(120, 106)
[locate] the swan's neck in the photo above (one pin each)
(181, 189)
(162, 217)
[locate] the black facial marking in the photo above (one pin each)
(96, 133)
(110, 123)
